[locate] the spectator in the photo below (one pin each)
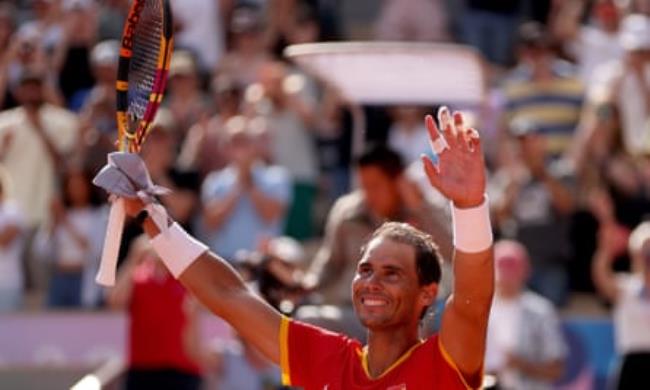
(544, 90)
(627, 81)
(407, 135)
(199, 26)
(525, 345)
(184, 97)
(97, 116)
(249, 48)
(47, 23)
(384, 195)
(533, 204)
(489, 26)
(74, 242)
(203, 149)
(26, 53)
(412, 20)
(34, 138)
(162, 341)
(630, 294)
(246, 202)
(71, 55)
(11, 248)
(111, 17)
(290, 115)
(595, 43)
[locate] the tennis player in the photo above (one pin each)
(397, 279)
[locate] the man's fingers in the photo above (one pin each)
(444, 119)
(474, 141)
(436, 139)
(434, 133)
(431, 170)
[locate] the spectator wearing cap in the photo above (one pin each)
(543, 89)
(246, 202)
(203, 149)
(525, 346)
(630, 294)
(249, 47)
(533, 201)
(626, 82)
(97, 107)
(34, 138)
(185, 99)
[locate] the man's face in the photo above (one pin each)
(385, 290)
(30, 93)
(511, 274)
(242, 149)
(380, 191)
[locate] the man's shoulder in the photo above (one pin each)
(348, 206)
(10, 116)
(537, 304)
(58, 113)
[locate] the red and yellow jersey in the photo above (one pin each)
(315, 359)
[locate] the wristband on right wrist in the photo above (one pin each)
(177, 249)
(472, 228)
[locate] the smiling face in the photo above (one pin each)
(386, 291)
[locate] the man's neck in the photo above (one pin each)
(386, 347)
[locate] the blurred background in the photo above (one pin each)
(258, 151)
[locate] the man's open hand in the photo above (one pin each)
(460, 172)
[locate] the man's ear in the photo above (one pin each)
(428, 294)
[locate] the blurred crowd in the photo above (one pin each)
(258, 155)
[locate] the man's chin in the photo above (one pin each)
(372, 322)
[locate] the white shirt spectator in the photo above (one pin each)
(632, 316)
(201, 30)
(529, 328)
(594, 47)
(613, 78)
(26, 158)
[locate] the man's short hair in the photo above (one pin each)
(427, 256)
(382, 157)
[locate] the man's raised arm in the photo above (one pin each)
(460, 175)
(216, 284)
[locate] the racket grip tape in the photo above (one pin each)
(112, 240)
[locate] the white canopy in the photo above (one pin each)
(396, 72)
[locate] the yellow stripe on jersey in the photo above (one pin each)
(284, 351)
(453, 365)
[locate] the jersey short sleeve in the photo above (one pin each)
(307, 353)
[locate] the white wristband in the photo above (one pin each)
(472, 228)
(177, 249)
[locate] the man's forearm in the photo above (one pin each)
(220, 288)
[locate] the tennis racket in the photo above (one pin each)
(145, 54)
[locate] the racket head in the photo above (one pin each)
(145, 55)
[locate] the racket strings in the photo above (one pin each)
(144, 64)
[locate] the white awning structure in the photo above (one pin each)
(396, 73)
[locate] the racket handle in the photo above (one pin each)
(112, 240)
